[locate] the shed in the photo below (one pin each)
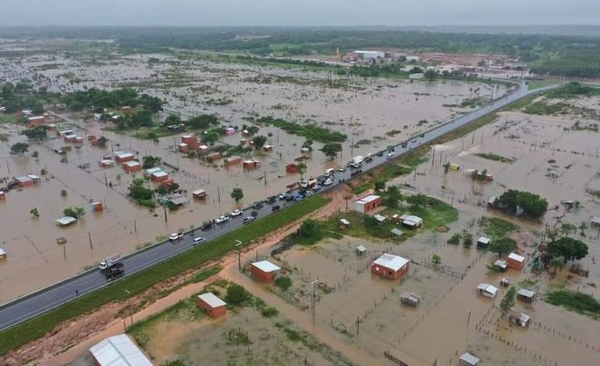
(483, 242)
(264, 271)
(199, 194)
(268, 148)
(2, 253)
(203, 149)
(118, 350)
(595, 221)
(361, 250)
(502, 265)
(96, 207)
(379, 218)
(411, 221)
(410, 299)
(132, 166)
(344, 223)
(367, 203)
(487, 290)
(106, 163)
(214, 156)
(468, 359)
(233, 160)
(291, 168)
(65, 221)
(520, 319)
(395, 219)
(250, 164)
(525, 295)
(390, 266)
(159, 176)
(213, 306)
(25, 181)
(177, 200)
(515, 261)
(122, 157)
(397, 232)
(183, 147)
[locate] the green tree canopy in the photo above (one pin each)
(19, 148)
(236, 294)
(533, 205)
(569, 248)
(331, 149)
(237, 194)
(37, 133)
(203, 121)
(259, 141)
(284, 283)
(503, 246)
(508, 301)
(417, 201)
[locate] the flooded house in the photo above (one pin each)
(515, 261)
(525, 295)
(132, 166)
(264, 271)
(390, 266)
(2, 253)
(214, 306)
(487, 290)
(411, 221)
(410, 299)
(122, 157)
(520, 319)
(199, 194)
(483, 242)
(501, 265)
(467, 359)
(65, 221)
(367, 204)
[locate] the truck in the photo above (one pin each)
(357, 161)
(115, 271)
(109, 261)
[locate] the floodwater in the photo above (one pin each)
(364, 109)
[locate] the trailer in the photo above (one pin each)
(110, 261)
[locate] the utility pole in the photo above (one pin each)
(237, 245)
(165, 210)
(135, 226)
(265, 179)
(358, 321)
(90, 237)
(314, 298)
(219, 194)
(65, 251)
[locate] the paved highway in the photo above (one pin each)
(35, 304)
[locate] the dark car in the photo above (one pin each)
(254, 213)
(257, 205)
(275, 208)
(115, 271)
(290, 197)
(271, 200)
(368, 159)
(380, 154)
(207, 225)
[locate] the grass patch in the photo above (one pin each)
(496, 228)
(38, 327)
(543, 108)
(310, 131)
(575, 301)
(494, 157)
(7, 118)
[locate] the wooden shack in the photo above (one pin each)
(410, 299)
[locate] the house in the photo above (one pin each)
(250, 164)
(96, 207)
(515, 261)
(390, 266)
(36, 121)
(214, 156)
(213, 306)
(410, 299)
(501, 265)
(122, 157)
(413, 59)
(487, 290)
(368, 55)
(65, 221)
(177, 200)
(367, 204)
(118, 350)
(199, 194)
(361, 250)
(268, 148)
(167, 183)
(525, 295)
(411, 221)
(483, 242)
(159, 176)
(202, 149)
(183, 147)
(264, 271)
(25, 181)
(189, 140)
(468, 359)
(132, 166)
(106, 163)
(233, 160)
(520, 319)
(293, 168)
(2, 253)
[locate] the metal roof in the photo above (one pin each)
(515, 256)
(391, 261)
(212, 300)
(484, 240)
(66, 220)
(266, 266)
(470, 359)
(368, 199)
(119, 351)
(526, 293)
(397, 232)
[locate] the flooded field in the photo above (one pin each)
(364, 109)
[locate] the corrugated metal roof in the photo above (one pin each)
(266, 266)
(212, 300)
(393, 262)
(470, 359)
(119, 351)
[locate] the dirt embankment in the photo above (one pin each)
(70, 339)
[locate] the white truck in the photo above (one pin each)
(357, 161)
(110, 261)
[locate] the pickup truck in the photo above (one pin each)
(109, 261)
(115, 271)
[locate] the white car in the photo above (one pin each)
(199, 240)
(175, 236)
(328, 182)
(342, 169)
(236, 213)
(222, 219)
(391, 154)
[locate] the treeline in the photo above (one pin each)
(23, 95)
(97, 100)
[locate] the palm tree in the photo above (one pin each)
(301, 169)
(557, 264)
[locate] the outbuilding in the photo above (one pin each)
(96, 207)
(132, 166)
(122, 157)
(65, 221)
(199, 194)
(483, 242)
(118, 350)
(501, 265)
(250, 164)
(361, 250)
(233, 160)
(264, 271)
(525, 295)
(487, 290)
(411, 221)
(213, 306)
(515, 261)
(367, 204)
(468, 359)
(410, 299)
(25, 181)
(520, 319)
(390, 266)
(183, 147)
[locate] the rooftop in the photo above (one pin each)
(266, 266)
(368, 199)
(66, 220)
(212, 300)
(484, 240)
(516, 257)
(391, 261)
(470, 359)
(131, 163)
(119, 351)
(526, 293)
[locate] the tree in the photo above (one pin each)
(204, 121)
(150, 161)
(430, 75)
(508, 301)
(503, 246)
(417, 201)
(237, 194)
(301, 169)
(284, 283)
(567, 229)
(75, 212)
(557, 264)
(379, 185)
(552, 233)
(436, 259)
(210, 137)
(102, 141)
(391, 197)
(308, 144)
(416, 70)
(34, 212)
(236, 294)
(532, 204)
(37, 133)
(259, 141)
(172, 119)
(19, 148)
(331, 149)
(583, 226)
(568, 248)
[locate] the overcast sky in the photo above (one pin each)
(299, 12)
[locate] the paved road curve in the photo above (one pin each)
(35, 304)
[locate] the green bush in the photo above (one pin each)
(575, 301)
(455, 239)
(38, 327)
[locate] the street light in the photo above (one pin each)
(237, 245)
(129, 306)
